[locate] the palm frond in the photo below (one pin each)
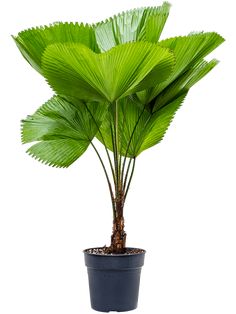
(130, 111)
(76, 71)
(32, 42)
(134, 25)
(188, 51)
(62, 129)
(157, 125)
(59, 153)
(183, 83)
(139, 129)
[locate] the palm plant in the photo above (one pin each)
(114, 81)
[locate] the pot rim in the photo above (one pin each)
(114, 255)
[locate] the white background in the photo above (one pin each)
(181, 206)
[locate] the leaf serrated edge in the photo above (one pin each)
(50, 25)
(43, 161)
(192, 34)
(165, 5)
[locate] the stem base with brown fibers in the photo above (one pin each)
(118, 238)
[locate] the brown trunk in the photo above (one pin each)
(118, 238)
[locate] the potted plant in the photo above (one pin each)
(117, 82)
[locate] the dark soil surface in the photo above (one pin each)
(106, 251)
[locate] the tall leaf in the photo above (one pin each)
(188, 50)
(151, 125)
(32, 42)
(130, 111)
(63, 130)
(134, 25)
(139, 129)
(76, 71)
(156, 127)
(183, 83)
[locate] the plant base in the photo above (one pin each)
(114, 280)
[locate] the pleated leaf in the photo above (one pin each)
(157, 121)
(76, 71)
(157, 125)
(62, 130)
(133, 120)
(139, 129)
(184, 82)
(188, 51)
(130, 110)
(134, 25)
(58, 153)
(32, 42)
(168, 102)
(155, 23)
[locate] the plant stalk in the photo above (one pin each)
(107, 177)
(109, 158)
(130, 179)
(118, 238)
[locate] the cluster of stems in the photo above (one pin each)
(122, 174)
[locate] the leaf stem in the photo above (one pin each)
(116, 146)
(107, 177)
(117, 142)
(103, 141)
(127, 172)
(130, 178)
(127, 149)
(109, 158)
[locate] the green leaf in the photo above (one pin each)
(130, 110)
(62, 129)
(163, 107)
(188, 51)
(58, 153)
(156, 127)
(76, 71)
(183, 83)
(168, 101)
(156, 22)
(134, 25)
(134, 117)
(32, 42)
(139, 129)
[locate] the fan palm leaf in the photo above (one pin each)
(76, 71)
(32, 42)
(131, 26)
(62, 130)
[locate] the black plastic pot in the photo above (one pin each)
(114, 281)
